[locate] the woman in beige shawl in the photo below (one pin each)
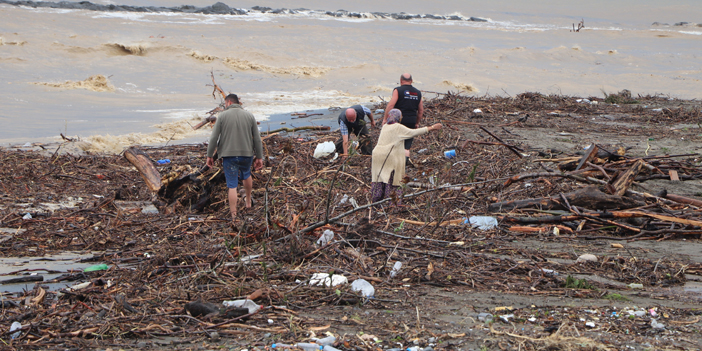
(388, 167)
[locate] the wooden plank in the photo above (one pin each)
(673, 175)
(622, 183)
(590, 154)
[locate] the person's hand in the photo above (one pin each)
(258, 164)
(416, 125)
(372, 124)
(210, 162)
(436, 126)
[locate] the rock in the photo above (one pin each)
(586, 258)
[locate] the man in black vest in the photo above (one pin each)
(352, 120)
(407, 99)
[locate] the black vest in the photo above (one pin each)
(360, 116)
(408, 98)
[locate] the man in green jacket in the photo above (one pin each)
(237, 140)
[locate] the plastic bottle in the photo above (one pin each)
(308, 346)
(485, 317)
(395, 269)
(252, 306)
(326, 341)
(282, 346)
(97, 267)
(330, 348)
(364, 287)
(481, 222)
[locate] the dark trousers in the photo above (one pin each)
(364, 141)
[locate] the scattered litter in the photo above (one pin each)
(507, 317)
(481, 222)
(243, 303)
(396, 269)
(477, 110)
(549, 271)
(590, 324)
(325, 279)
(656, 325)
(485, 317)
(27, 216)
(450, 153)
(324, 149)
(16, 326)
(164, 161)
(97, 267)
(364, 287)
(637, 313)
(635, 286)
(586, 258)
(325, 341)
(344, 200)
(326, 237)
(79, 286)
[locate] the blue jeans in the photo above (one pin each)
(236, 168)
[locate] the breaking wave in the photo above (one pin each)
(223, 9)
(245, 65)
(138, 49)
(115, 144)
(202, 57)
(18, 42)
(97, 83)
(461, 86)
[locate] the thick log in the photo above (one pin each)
(589, 197)
(622, 183)
(27, 279)
(145, 166)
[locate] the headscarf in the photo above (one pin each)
(394, 116)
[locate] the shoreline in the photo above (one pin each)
(318, 117)
(161, 253)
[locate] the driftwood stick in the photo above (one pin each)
(510, 147)
(216, 87)
(290, 130)
(684, 200)
(490, 143)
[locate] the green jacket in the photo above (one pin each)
(235, 134)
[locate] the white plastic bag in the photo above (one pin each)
(252, 306)
(364, 287)
(326, 237)
(324, 149)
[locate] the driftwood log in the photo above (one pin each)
(589, 197)
(145, 166)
